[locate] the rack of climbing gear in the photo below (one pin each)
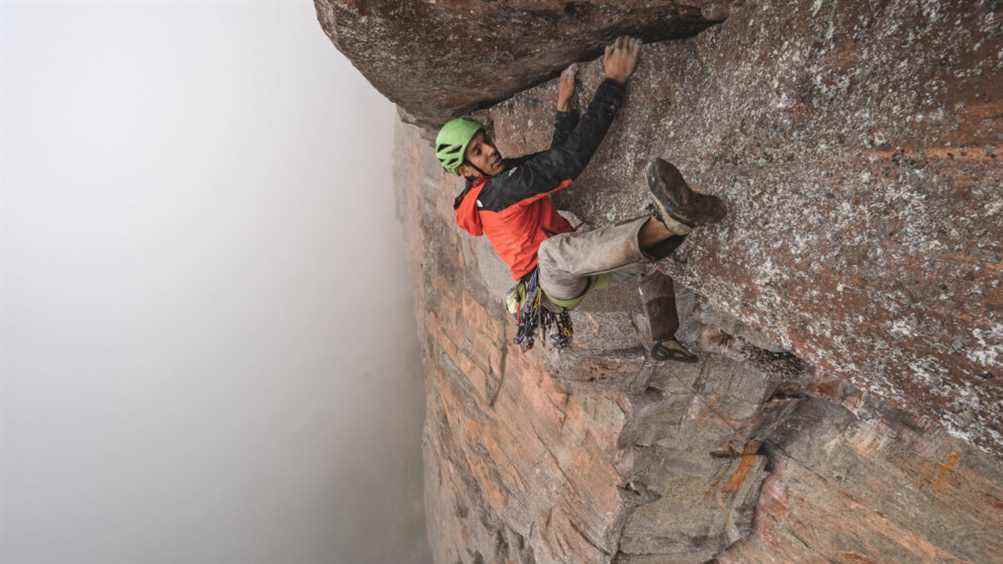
(533, 311)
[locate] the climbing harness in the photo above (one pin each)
(533, 310)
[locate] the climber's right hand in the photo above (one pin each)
(620, 58)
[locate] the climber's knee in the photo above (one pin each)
(556, 279)
(544, 255)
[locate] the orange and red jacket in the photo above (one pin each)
(513, 209)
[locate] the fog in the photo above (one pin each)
(206, 339)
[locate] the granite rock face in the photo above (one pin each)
(440, 59)
(858, 147)
(848, 311)
(599, 454)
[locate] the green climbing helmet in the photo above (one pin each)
(451, 142)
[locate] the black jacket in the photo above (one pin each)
(574, 143)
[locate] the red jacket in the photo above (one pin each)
(516, 231)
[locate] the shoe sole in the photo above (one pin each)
(674, 197)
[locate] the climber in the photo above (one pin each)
(508, 200)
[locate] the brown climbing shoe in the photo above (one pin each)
(674, 198)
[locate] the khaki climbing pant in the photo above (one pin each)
(572, 263)
(568, 260)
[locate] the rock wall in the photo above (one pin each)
(439, 59)
(600, 455)
(856, 146)
(847, 406)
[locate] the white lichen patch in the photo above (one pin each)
(928, 371)
(801, 242)
(956, 428)
(903, 327)
(989, 349)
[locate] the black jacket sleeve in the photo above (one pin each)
(564, 124)
(542, 172)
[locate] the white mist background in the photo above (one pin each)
(206, 338)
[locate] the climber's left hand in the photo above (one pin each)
(566, 88)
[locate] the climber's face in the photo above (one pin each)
(481, 153)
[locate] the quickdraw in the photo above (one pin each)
(534, 311)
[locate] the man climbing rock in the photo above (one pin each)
(508, 200)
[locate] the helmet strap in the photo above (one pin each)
(468, 163)
(478, 170)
